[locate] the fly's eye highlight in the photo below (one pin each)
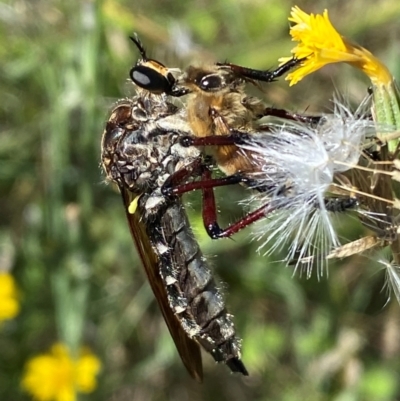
(211, 83)
(150, 79)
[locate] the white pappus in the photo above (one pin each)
(297, 164)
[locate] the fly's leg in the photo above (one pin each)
(176, 185)
(210, 214)
(286, 115)
(263, 75)
(207, 184)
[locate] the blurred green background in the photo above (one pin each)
(64, 237)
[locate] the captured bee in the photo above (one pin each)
(140, 150)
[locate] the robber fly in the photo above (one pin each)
(349, 173)
(140, 150)
(222, 116)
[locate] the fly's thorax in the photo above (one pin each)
(140, 144)
(138, 160)
(113, 133)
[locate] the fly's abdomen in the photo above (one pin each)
(192, 291)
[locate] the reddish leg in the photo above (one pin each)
(176, 179)
(210, 215)
(282, 113)
(177, 183)
(215, 232)
(203, 184)
(235, 138)
(209, 210)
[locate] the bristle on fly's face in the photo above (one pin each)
(297, 164)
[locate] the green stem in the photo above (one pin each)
(387, 109)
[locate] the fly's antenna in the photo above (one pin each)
(135, 39)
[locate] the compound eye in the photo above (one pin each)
(211, 83)
(150, 79)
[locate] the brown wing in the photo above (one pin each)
(188, 349)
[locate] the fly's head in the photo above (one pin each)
(152, 75)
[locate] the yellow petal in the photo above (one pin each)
(320, 44)
(9, 305)
(87, 369)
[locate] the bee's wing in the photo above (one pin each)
(188, 349)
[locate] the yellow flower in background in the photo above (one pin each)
(57, 376)
(9, 305)
(86, 369)
(321, 44)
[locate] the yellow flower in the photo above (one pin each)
(321, 44)
(9, 306)
(57, 376)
